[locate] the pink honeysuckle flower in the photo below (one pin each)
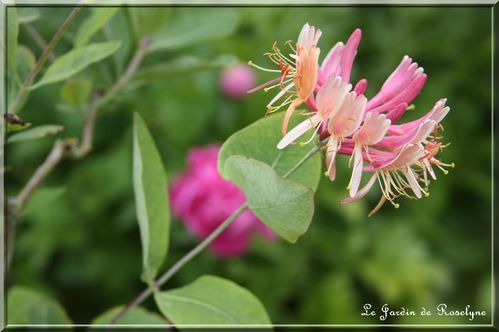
(236, 80)
(344, 120)
(371, 132)
(400, 156)
(202, 199)
(299, 73)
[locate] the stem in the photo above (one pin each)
(302, 161)
(180, 263)
(43, 58)
(200, 247)
(54, 157)
(39, 40)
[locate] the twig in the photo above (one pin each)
(68, 148)
(180, 263)
(41, 61)
(39, 40)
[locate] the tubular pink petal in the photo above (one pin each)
(331, 64)
(413, 182)
(362, 192)
(397, 112)
(360, 87)
(356, 171)
(348, 55)
(280, 94)
(299, 130)
(287, 116)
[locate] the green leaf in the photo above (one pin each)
(284, 205)
(146, 21)
(76, 92)
(135, 316)
(26, 306)
(25, 61)
(12, 35)
(183, 65)
(190, 26)
(95, 22)
(76, 60)
(259, 141)
(150, 185)
(35, 133)
(27, 15)
(211, 300)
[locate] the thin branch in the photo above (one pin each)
(180, 263)
(39, 40)
(14, 108)
(54, 157)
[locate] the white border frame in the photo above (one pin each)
(242, 3)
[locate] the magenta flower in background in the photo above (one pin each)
(202, 199)
(236, 80)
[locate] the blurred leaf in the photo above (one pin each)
(25, 61)
(183, 65)
(259, 141)
(211, 300)
(27, 15)
(25, 306)
(15, 123)
(150, 185)
(99, 17)
(186, 28)
(12, 35)
(286, 206)
(76, 92)
(146, 21)
(118, 28)
(76, 60)
(41, 199)
(135, 316)
(35, 133)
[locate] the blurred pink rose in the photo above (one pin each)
(236, 80)
(203, 200)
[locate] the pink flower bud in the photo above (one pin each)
(236, 80)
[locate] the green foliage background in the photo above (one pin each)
(78, 239)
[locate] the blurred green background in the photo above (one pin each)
(78, 239)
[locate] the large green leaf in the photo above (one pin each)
(259, 141)
(284, 205)
(150, 185)
(35, 133)
(194, 25)
(211, 300)
(26, 306)
(146, 21)
(76, 60)
(135, 316)
(99, 17)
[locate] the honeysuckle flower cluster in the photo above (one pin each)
(399, 156)
(203, 200)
